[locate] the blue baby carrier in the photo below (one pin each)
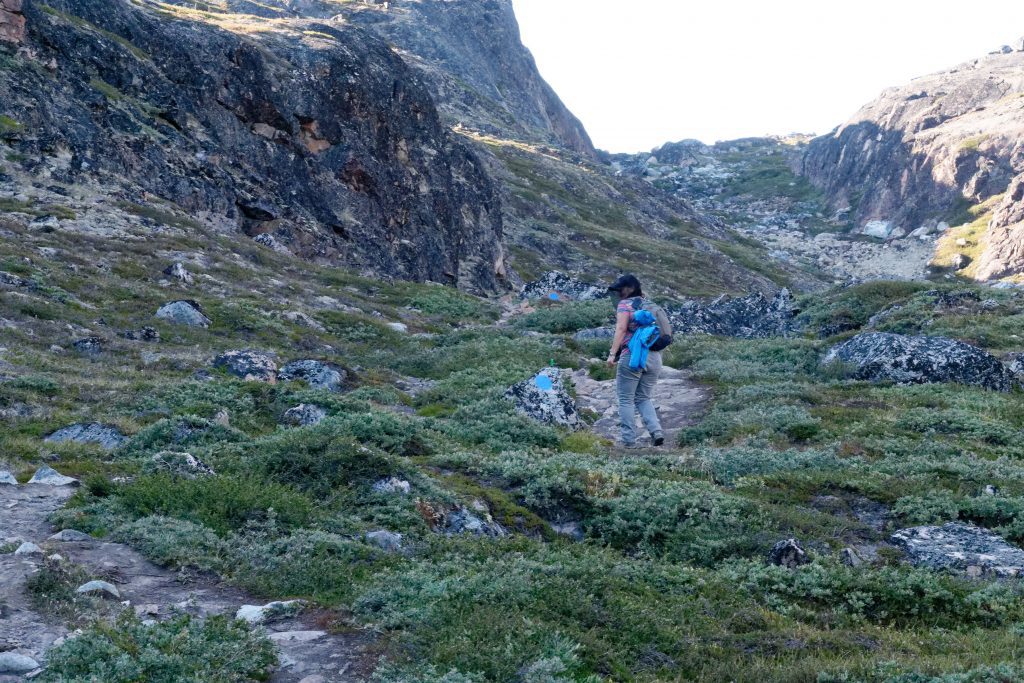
(645, 336)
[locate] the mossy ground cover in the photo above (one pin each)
(669, 582)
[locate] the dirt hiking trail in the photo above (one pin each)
(307, 651)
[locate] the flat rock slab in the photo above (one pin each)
(47, 476)
(679, 400)
(963, 548)
(96, 433)
(338, 658)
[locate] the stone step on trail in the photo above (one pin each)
(680, 402)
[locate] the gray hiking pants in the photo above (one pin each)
(634, 389)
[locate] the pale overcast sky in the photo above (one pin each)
(643, 72)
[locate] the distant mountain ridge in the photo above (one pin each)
(919, 156)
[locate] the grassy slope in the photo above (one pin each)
(566, 214)
(669, 584)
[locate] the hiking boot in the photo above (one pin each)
(659, 441)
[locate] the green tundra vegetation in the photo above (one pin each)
(669, 581)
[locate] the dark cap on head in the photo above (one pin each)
(627, 280)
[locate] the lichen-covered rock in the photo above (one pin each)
(187, 313)
(879, 356)
(145, 334)
(961, 547)
(392, 486)
(103, 435)
(184, 465)
(47, 476)
(7, 479)
(316, 374)
(88, 346)
(28, 548)
(99, 588)
(594, 333)
(255, 615)
(385, 540)
(545, 398)
(14, 663)
(561, 286)
(751, 317)
(304, 415)
(788, 553)
(70, 536)
(179, 273)
(251, 366)
(476, 523)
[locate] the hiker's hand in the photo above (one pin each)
(611, 361)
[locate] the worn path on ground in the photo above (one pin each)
(307, 650)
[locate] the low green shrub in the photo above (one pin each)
(729, 464)
(179, 649)
(900, 595)
(567, 318)
(221, 503)
(685, 521)
(179, 434)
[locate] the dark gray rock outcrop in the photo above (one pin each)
(88, 346)
(316, 132)
(751, 317)
(102, 435)
(788, 553)
(251, 366)
(317, 374)
(304, 415)
(545, 398)
(565, 287)
(962, 548)
(879, 356)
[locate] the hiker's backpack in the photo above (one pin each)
(660, 317)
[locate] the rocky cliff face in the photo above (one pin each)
(317, 134)
(483, 75)
(921, 153)
(12, 21)
(469, 51)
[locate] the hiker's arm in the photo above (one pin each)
(621, 323)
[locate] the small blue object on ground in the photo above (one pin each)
(543, 382)
(553, 296)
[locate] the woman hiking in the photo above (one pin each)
(642, 330)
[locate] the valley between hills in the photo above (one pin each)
(279, 279)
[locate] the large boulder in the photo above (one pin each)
(880, 356)
(106, 436)
(751, 317)
(556, 285)
(316, 374)
(545, 397)
(186, 313)
(962, 548)
(251, 366)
